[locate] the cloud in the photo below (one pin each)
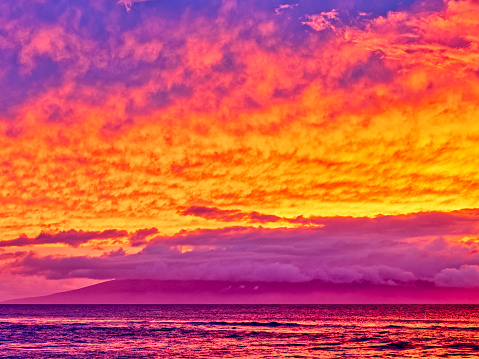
(214, 213)
(229, 215)
(377, 274)
(72, 238)
(70, 41)
(391, 250)
(129, 3)
(323, 21)
(415, 224)
(464, 276)
(286, 116)
(75, 238)
(139, 237)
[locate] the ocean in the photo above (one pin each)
(239, 331)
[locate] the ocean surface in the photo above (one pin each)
(239, 331)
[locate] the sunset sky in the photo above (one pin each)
(257, 140)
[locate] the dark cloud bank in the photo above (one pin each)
(438, 248)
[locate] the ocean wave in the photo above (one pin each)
(465, 346)
(392, 326)
(396, 346)
(250, 324)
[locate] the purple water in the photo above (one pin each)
(239, 331)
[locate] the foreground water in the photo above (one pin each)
(239, 331)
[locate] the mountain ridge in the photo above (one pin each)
(150, 291)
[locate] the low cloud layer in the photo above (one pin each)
(440, 248)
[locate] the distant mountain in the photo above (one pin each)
(148, 291)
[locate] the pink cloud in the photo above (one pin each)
(464, 276)
(386, 250)
(230, 215)
(323, 21)
(139, 237)
(129, 3)
(72, 238)
(214, 213)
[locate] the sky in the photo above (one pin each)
(238, 140)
